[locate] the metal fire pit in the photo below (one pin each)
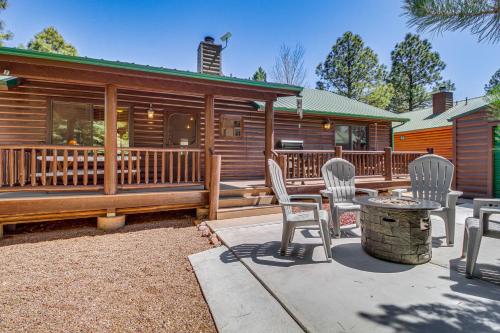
(397, 229)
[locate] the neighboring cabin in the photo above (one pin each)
(461, 131)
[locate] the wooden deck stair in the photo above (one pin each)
(246, 203)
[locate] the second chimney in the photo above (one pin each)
(209, 57)
(442, 101)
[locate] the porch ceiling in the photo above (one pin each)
(38, 65)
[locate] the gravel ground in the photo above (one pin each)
(84, 280)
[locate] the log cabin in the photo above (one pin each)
(83, 137)
(462, 131)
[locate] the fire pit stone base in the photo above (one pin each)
(402, 236)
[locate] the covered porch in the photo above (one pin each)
(83, 137)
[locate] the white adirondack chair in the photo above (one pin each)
(339, 176)
(431, 176)
(311, 213)
(478, 226)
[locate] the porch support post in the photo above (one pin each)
(388, 163)
(269, 137)
(209, 136)
(110, 119)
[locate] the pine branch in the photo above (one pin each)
(482, 17)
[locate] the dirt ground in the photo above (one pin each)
(62, 278)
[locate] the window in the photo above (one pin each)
(83, 124)
(71, 124)
(351, 137)
(231, 126)
(181, 130)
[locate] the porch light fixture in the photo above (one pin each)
(327, 125)
(151, 112)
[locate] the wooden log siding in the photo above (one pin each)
(441, 139)
(473, 144)
(24, 118)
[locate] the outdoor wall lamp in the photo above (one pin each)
(151, 112)
(327, 125)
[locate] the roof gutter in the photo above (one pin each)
(327, 113)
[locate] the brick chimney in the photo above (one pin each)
(442, 101)
(209, 57)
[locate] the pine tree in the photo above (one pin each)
(50, 40)
(350, 69)
(482, 17)
(4, 35)
(415, 68)
(260, 75)
(494, 81)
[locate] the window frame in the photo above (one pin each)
(92, 106)
(233, 117)
(350, 126)
(50, 127)
(166, 128)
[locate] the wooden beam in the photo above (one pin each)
(134, 80)
(209, 136)
(88, 202)
(110, 144)
(215, 162)
(388, 163)
(269, 137)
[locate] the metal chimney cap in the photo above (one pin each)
(209, 39)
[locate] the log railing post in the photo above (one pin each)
(338, 151)
(388, 163)
(282, 161)
(209, 136)
(214, 193)
(269, 138)
(110, 144)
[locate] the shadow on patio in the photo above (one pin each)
(467, 316)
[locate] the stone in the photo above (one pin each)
(396, 235)
(206, 233)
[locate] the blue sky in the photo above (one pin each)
(166, 33)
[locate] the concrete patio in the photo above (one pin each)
(356, 292)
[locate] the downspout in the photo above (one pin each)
(392, 133)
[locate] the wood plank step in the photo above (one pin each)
(239, 201)
(234, 212)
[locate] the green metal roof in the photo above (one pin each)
(322, 102)
(423, 118)
(143, 68)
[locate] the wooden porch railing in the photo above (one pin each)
(301, 165)
(150, 167)
(50, 166)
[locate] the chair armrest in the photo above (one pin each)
(485, 203)
(484, 216)
(371, 193)
(398, 192)
(314, 206)
(316, 197)
(453, 197)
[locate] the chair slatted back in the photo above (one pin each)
(431, 177)
(339, 176)
(278, 184)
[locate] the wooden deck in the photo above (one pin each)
(19, 207)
